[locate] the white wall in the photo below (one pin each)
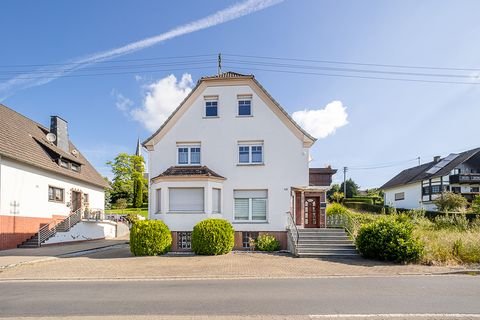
(413, 195)
(86, 230)
(285, 157)
(28, 186)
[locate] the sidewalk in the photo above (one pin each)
(14, 257)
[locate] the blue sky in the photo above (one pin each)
(389, 122)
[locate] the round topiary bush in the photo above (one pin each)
(150, 238)
(267, 242)
(389, 240)
(213, 237)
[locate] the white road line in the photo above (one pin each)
(398, 315)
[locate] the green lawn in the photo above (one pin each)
(140, 211)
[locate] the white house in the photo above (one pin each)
(231, 151)
(43, 177)
(417, 187)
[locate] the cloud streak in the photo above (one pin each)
(33, 79)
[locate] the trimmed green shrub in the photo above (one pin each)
(390, 240)
(150, 238)
(336, 208)
(213, 237)
(267, 242)
(360, 206)
(367, 200)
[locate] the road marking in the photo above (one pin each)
(398, 315)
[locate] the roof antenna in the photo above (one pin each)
(219, 63)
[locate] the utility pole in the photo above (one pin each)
(219, 63)
(345, 169)
(418, 160)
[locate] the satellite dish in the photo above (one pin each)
(51, 137)
(75, 152)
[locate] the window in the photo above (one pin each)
(250, 205)
(399, 196)
(63, 164)
(250, 154)
(211, 108)
(426, 191)
(244, 107)
(55, 194)
(216, 200)
(86, 198)
(186, 199)
(249, 238)
(456, 171)
(184, 240)
(158, 200)
(436, 189)
(188, 155)
(75, 167)
(456, 189)
(475, 189)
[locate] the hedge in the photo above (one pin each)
(150, 238)
(363, 206)
(389, 239)
(213, 237)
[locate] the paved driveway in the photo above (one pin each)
(117, 263)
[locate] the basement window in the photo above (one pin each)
(184, 240)
(248, 239)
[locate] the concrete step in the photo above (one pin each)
(327, 251)
(329, 255)
(326, 246)
(316, 238)
(324, 241)
(321, 230)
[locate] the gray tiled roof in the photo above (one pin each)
(419, 173)
(198, 171)
(23, 140)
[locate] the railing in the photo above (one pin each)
(292, 227)
(341, 221)
(93, 214)
(48, 230)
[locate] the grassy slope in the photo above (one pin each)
(140, 211)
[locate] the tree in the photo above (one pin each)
(334, 188)
(138, 180)
(338, 197)
(449, 201)
(476, 204)
(108, 194)
(352, 188)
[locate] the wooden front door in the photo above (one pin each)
(76, 200)
(312, 212)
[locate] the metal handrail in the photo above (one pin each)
(50, 229)
(291, 222)
(45, 231)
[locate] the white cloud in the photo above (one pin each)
(122, 103)
(161, 98)
(45, 75)
(321, 123)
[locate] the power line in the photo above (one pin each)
(384, 165)
(356, 63)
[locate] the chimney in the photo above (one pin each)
(58, 126)
(436, 158)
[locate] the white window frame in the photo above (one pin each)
(210, 99)
(399, 196)
(244, 97)
(219, 201)
(250, 209)
(250, 153)
(189, 148)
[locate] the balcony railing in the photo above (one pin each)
(468, 178)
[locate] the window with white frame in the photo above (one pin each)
(250, 153)
(188, 154)
(211, 106)
(216, 200)
(186, 199)
(158, 200)
(399, 196)
(244, 105)
(250, 205)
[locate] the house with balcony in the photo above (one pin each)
(230, 151)
(419, 186)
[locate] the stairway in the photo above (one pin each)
(325, 243)
(48, 231)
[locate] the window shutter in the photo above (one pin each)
(186, 199)
(259, 209)
(250, 194)
(241, 209)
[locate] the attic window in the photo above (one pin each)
(75, 167)
(63, 164)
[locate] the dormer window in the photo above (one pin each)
(75, 167)
(211, 106)
(244, 105)
(63, 164)
(188, 154)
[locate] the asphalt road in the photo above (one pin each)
(356, 295)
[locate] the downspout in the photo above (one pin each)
(0, 184)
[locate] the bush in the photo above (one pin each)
(367, 200)
(267, 242)
(336, 208)
(360, 206)
(213, 237)
(449, 201)
(390, 240)
(150, 238)
(456, 221)
(132, 217)
(121, 203)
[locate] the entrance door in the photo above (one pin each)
(312, 212)
(76, 200)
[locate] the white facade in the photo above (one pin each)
(285, 157)
(406, 197)
(24, 191)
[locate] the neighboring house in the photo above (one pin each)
(417, 187)
(231, 151)
(43, 177)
